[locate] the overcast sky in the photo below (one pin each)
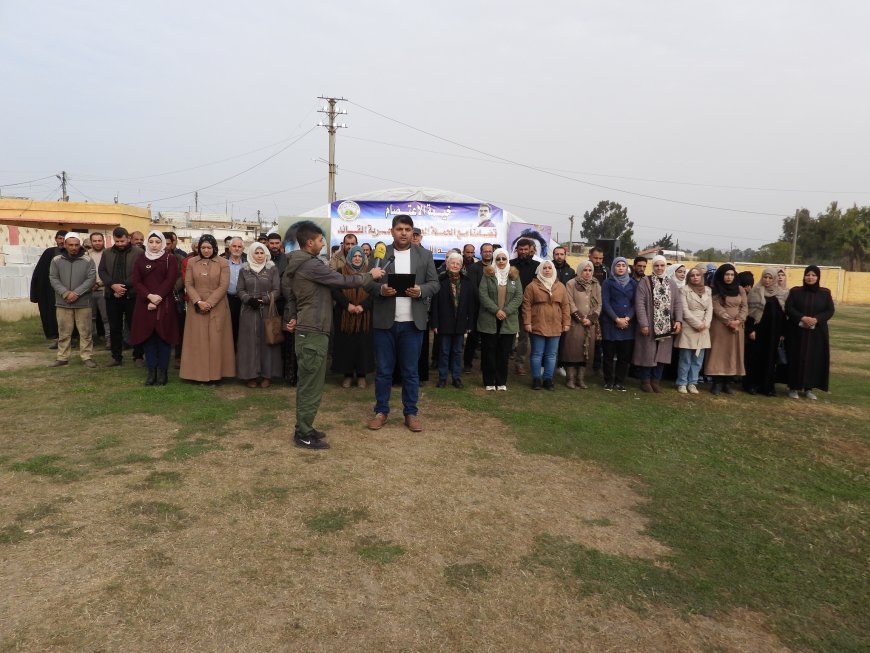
(759, 106)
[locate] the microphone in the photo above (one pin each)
(380, 253)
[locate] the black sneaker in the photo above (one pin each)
(309, 442)
(536, 384)
(608, 387)
(314, 433)
(548, 384)
(457, 383)
(619, 387)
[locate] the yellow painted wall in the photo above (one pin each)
(73, 215)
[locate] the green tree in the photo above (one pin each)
(855, 237)
(665, 242)
(775, 252)
(610, 220)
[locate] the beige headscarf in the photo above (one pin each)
(546, 281)
(759, 295)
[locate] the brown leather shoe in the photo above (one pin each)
(413, 423)
(655, 385)
(377, 422)
(252, 383)
(520, 370)
(346, 382)
(113, 363)
(361, 382)
(265, 383)
(59, 363)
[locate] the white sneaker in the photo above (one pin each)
(490, 387)
(503, 388)
(692, 389)
(682, 390)
(792, 394)
(809, 394)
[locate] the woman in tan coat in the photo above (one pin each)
(694, 338)
(208, 333)
(725, 360)
(546, 317)
(578, 344)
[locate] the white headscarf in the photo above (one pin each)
(256, 267)
(148, 254)
(72, 234)
(671, 273)
(547, 282)
(502, 275)
(656, 258)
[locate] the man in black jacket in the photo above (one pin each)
(116, 273)
(41, 292)
(564, 271)
(527, 267)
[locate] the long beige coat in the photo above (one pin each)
(726, 347)
(208, 353)
(578, 344)
(697, 310)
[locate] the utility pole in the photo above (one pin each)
(196, 201)
(797, 215)
(571, 235)
(331, 125)
(63, 196)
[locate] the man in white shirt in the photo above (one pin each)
(400, 322)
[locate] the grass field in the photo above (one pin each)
(182, 518)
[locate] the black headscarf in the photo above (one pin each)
(723, 289)
(208, 238)
(814, 287)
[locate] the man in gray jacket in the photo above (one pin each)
(307, 285)
(72, 276)
(400, 321)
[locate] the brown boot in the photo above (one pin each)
(571, 371)
(645, 386)
(655, 385)
(581, 372)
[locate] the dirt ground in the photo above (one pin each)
(242, 548)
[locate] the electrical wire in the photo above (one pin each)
(599, 174)
(238, 174)
(24, 183)
(566, 177)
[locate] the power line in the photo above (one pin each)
(599, 174)
(24, 183)
(268, 158)
(566, 177)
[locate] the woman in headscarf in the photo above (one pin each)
(546, 315)
(500, 297)
(207, 355)
(452, 318)
(765, 329)
(808, 307)
(782, 279)
(257, 287)
(677, 272)
(694, 338)
(578, 344)
(352, 346)
(155, 319)
(617, 324)
(659, 312)
(725, 360)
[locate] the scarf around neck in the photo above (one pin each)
(546, 282)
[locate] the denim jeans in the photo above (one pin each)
(450, 357)
(398, 346)
(648, 373)
(689, 367)
(544, 350)
(157, 352)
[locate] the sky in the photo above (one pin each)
(709, 121)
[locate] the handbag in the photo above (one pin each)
(274, 325)
(781, 358)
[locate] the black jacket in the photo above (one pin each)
(447, 319)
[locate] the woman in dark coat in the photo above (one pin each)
(155, 318)
(352, 346)
(765, 328)
(617, 324)
(452, 318)
(257, 287)
(807, 343)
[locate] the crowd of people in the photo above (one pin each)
(260, 314)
